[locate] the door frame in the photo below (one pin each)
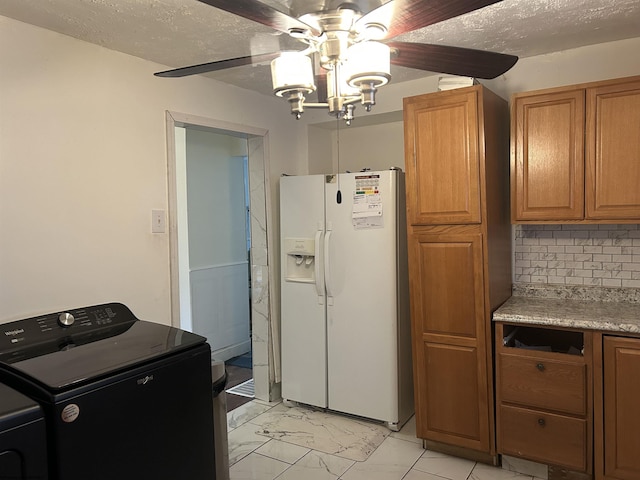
(264, 336)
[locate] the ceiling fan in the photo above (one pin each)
(348, 47)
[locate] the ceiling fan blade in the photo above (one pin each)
(451, 60)
(401, 16)
(215, 66)
(262, 13)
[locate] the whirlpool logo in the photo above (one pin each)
(145, 380)
(13, 333)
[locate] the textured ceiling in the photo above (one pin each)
(185, 32)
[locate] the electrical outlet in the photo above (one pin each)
(157, 221)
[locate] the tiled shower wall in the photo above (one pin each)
(597, 255)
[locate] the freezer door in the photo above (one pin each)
(303, 305)
(361, 282)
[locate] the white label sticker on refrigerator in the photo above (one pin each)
(367, 203)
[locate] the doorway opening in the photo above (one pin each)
(202, 277)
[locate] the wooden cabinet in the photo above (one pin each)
(575, 153)
(443, 171)
(543, 396)
(548, 156)
(456, 147)
(613, 151)
(618, 457)
(452, 389)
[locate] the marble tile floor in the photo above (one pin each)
(399, 456)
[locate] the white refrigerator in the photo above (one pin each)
(345, 326)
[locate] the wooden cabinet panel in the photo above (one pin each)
(544, 437)
(613, 153)
(441, 148)
(449, 289)
(454, 395)
(448, 318)
(548, 156)
(543, 382)
(621, 413)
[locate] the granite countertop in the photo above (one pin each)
(561, 308)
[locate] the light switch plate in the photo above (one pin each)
(158, 223)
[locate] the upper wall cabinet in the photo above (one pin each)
(547, 158)
(575, 153)
(442, 159)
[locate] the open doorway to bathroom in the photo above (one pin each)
(212, 262)
(218, 241)
(219, 246)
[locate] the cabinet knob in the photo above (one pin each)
(540, 366)
(541, 422)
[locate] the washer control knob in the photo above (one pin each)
(66, 319)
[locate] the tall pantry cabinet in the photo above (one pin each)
(459, 236)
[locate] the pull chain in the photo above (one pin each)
(339, 194)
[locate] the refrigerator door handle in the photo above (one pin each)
(318, 267)
(327, 267)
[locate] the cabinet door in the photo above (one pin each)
(441, 149)
(547, 164)
(448, 321)
(613, 151)
(621, 412)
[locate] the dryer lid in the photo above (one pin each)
(16, 409)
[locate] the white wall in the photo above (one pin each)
(375, 146)
(579, 65)
(83, 163)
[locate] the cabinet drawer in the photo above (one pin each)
(536, 381)
(543, 437)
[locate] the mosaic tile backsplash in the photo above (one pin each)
(592, 255)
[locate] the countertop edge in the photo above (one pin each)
(604, 326)
(595, 314)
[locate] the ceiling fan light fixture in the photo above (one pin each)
(374, 31)
(333, 49)
(339, 93)
(299, 33)
(337, 85)
(296, 102)
(368, 63)
(343, 38)
(292, 72)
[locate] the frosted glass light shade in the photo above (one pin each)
(292, 71)
(368, 62)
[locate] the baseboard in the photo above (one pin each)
(231, 351)
(461, 452)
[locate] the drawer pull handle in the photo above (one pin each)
(541, 422)
(540, 366)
